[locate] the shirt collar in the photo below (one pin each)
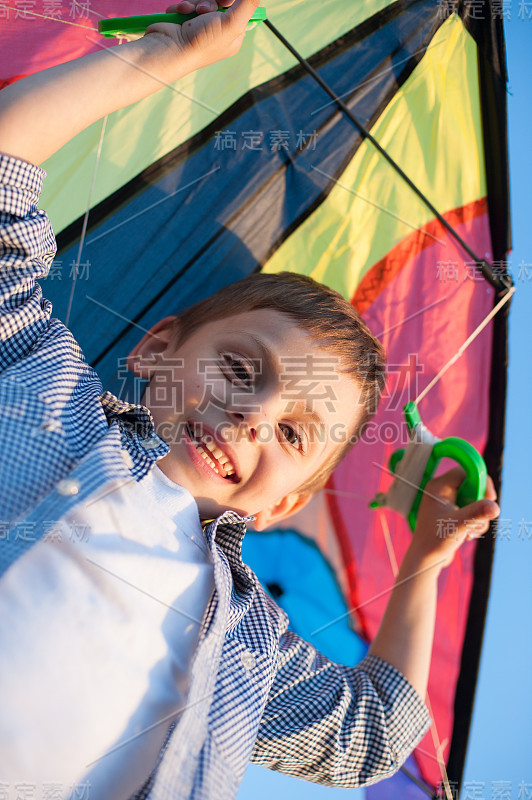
(137, 432)
(228, 532)
(114, 407)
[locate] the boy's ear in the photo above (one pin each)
(283, 508)
(146, 353)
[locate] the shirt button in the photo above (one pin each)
(126, 458)
(151, 443)
(248, 660)
(68, 487)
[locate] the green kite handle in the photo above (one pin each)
(127, 26)
(473, 486)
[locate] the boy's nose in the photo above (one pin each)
(257, 420)
(240, 419)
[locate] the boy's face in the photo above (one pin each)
(250, 407)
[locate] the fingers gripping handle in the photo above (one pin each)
(415, 466)
(125, 27)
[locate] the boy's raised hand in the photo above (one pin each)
(406, 632)
(442, 527)
(82, 91)
(211, 36)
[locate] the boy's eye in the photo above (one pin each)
(291, 435)
(240, 370)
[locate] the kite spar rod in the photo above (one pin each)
(501, 283)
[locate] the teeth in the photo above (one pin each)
(206, 458)
(207, 446)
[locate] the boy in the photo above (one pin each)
(145, 659)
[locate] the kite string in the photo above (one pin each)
(438, 748)
(389, 545)
(85, 221)
(465, 345)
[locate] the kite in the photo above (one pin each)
(391, 186)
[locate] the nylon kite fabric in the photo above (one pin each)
(249, 165)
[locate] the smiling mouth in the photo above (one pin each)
(213, 456)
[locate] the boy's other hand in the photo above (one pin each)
(211, 36)
(442, 527)
(406, 633)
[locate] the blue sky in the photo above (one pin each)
(499, 764)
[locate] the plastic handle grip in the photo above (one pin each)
(420, 462)
(128, 26)
(473, 486)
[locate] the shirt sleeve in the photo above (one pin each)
(337, 725)
(27, 248)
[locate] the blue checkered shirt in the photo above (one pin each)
(257, 691)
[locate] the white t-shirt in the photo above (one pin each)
(98, 629)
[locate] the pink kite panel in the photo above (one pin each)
(425, 313)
